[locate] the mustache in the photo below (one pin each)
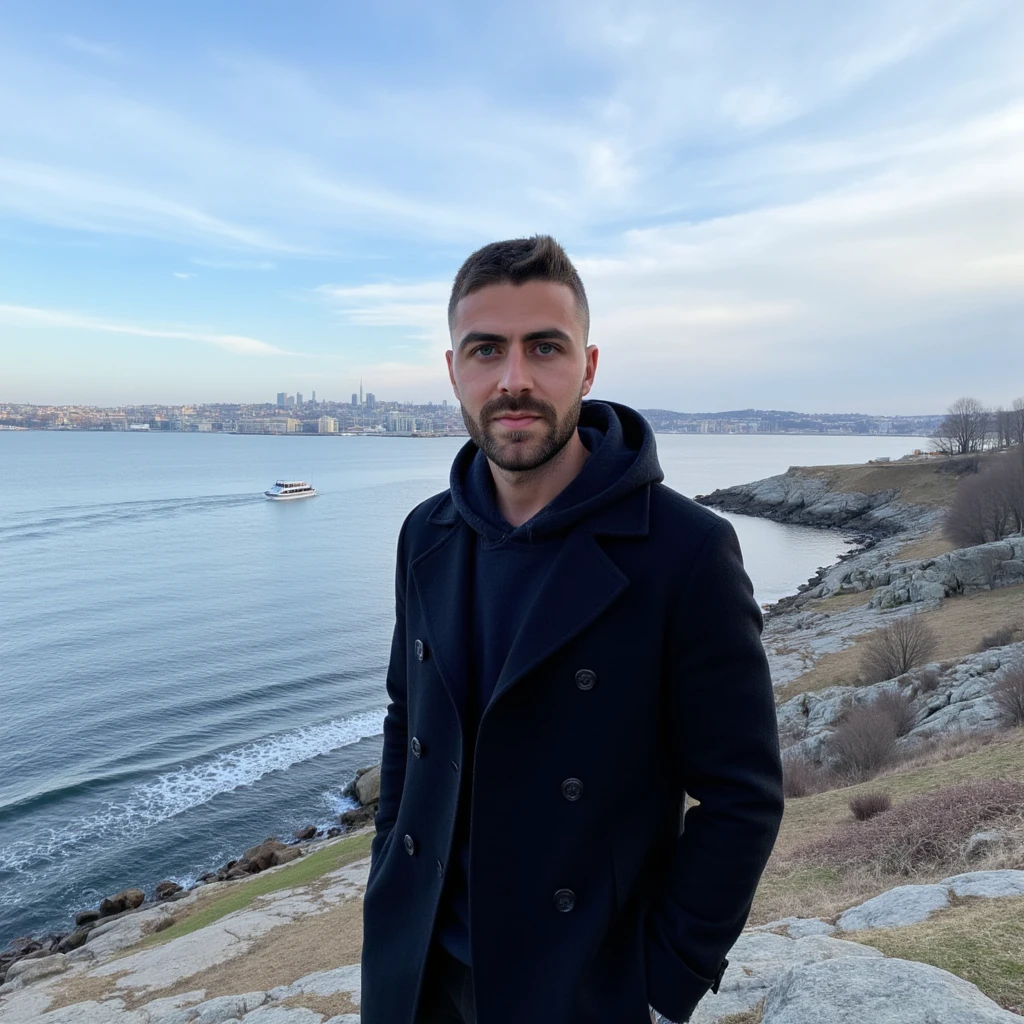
(525, 403)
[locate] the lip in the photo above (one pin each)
(514, 421)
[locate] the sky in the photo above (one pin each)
(790, 205)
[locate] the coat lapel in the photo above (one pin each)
(582, 582)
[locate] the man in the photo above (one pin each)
(576, 646)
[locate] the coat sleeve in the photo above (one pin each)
(724, 748)
(393, 758)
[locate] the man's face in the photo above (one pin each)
(520, 368)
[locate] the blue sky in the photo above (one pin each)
(791, 205)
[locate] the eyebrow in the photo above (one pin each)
(544, 334)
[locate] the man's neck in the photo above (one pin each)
(521, 495)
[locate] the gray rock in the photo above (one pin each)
(368, 786)
(323, 983)
(906, 904)
(883, 991)
(798, 927)
(282, 1015)
(981, 843)
(987, 883)
(37, 967)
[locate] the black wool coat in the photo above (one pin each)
(639, 674)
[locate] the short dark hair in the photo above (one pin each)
(518, 260)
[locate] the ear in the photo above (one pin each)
(448, 356)
(590, 369)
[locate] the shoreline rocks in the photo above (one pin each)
(365, 788)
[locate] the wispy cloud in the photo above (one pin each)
(217, 264)
(103, 51)
(28, 316)
(182, 275)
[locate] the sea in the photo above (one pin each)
(187, 668)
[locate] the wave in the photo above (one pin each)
(44, 522)
(186, 787)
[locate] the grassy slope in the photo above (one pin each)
(918, 483)
(980, 940)
(239, 895)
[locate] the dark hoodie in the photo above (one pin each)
(510, 565)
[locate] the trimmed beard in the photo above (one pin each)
(507, 449)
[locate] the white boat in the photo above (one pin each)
(283, 490)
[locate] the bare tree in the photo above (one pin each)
(1017, 413)
(989, 505)
(1002, 428)
(965, 428)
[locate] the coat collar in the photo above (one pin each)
(582, 583)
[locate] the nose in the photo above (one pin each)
(515, 373)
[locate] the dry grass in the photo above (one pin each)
(791, 886)
(918, 483)
(752, 1016)
(924, 832)
(981, 940)
(930, 546)
(960, 623)
(865, 806)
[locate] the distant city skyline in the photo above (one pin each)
(797, 204)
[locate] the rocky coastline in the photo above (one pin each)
(92, 922)
(819, 946)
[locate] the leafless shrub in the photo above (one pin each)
(864, 742)
(928, 680)
(897, 707)
(800, 777)
(1000, 638)
(1008, 694)
(902, 645)
(867, 805)
(990, 505)
(924, 832)
(965, 428)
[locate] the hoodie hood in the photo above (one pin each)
(623, 457)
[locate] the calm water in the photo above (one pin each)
(186, 667)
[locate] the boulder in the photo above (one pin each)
(880, 991)
(259, 858)
(165, 890)
(309, 832)
(285, 856)
(129, 899)
(76, 938)
(906, 904)
(981, 843)
(85, 916)
(368, 786)
(30, 969)
(992, 884)
(358, 816)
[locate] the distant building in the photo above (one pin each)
(298, 398)
(313, 398)
(399, 424)
(355, 400)
(371, 400)
(282, 397)
(289, 402)
(327, 425)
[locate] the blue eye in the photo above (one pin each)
(485, 350)
(545, 348)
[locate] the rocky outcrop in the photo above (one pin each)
(942, 700)
(983, 567)
(365, 788)
(852, 990)
(807, 498)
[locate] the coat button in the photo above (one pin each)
(421, 650)
(572, 789)
(410, 846)
(417, 747)
(565, 900)
(586, 678)
(455, 767)
(440, 870)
